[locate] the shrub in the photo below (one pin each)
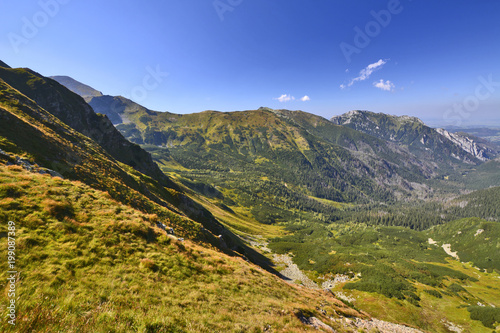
(434, 293)
(485, 314)
(455, 288)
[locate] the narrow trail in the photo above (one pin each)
(293, 272)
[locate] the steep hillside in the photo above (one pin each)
(40, 138)
(425, 142)
(74, 112)
(88, 263)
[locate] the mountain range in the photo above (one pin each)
(257, 220)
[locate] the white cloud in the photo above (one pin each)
(367, 71)
(387, 85)
(305, 98)
(285, 98)
(342, 86)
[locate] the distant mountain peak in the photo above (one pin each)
(77, 87)
(369, 115)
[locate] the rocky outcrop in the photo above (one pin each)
(27, 165)
(467, 144)
(376, 325)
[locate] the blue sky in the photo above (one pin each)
(438, 60)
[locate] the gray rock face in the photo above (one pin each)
(467, 144)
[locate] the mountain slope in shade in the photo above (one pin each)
(74, 112)
(3, 64)
(77, 87)
(422, 140)
(117, 108)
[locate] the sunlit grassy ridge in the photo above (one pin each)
(88, 263)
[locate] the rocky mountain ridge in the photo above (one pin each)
(476, 149)
(413, 133)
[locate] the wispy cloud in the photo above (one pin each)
(285, 98)
(387, 85)
(305, 98)
(366, 72)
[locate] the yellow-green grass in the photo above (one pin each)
(336, 204)
(90, 264)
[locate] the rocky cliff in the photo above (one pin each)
(424, 141)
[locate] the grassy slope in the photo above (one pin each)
(88, 263)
